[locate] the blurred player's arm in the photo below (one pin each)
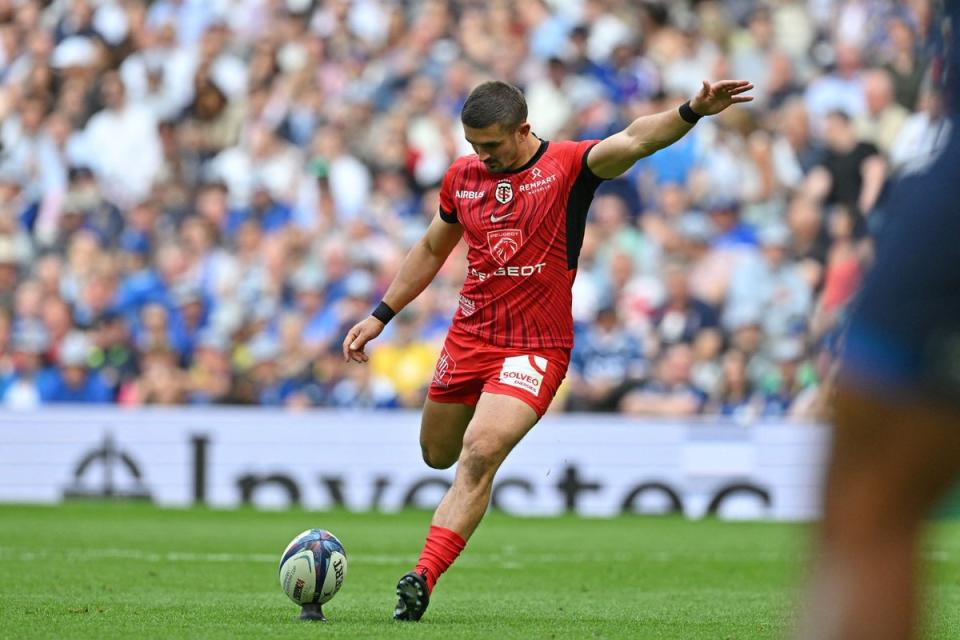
(417, 270)
(612, 156)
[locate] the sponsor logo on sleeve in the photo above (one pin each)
(524, 372)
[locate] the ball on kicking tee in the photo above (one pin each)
(312, 567)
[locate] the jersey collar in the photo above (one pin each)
(532, 161)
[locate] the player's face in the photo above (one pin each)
(498, 148)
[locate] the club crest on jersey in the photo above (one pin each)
(504, 192)
(504, 243)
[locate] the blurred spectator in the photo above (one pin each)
(841, 89)
(269, 215)
(547, 99)
(84, 207)
(735, 396)
(161, 380)
(113, 355)
(671, 392)
(20, 388)
(923, 134)
(9, 272)
(406, 361)
(710, 267)
(212, 123)
(73, 381)
(851, 172)
(57, 322)
(122, 145)
(209, 378)
(707, 368)
(360, 388)
(788, 379)
(771, 284)
(795, 150)
(269, 385)
(844, 269)
(606, 363)
(320, 315)
(745, 327)
(730, 230)
(681, 316)
(756, 55)
(903, 62)
(294, 362)
(809, 239)
(883, 119)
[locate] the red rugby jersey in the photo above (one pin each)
(524, 229)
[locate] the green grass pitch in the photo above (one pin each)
(134, 571)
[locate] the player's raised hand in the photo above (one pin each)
(714, 98)
(358, 337)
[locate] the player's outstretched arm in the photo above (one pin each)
(614, 155)
(417, 270)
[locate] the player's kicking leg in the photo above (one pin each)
(498, 424)
(441, 432)
(891, 461)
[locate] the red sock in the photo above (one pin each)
(441, 549)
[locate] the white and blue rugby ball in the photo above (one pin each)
(313, 567)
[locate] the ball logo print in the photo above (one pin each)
(298, 590)
(504, 192)
(504, 244)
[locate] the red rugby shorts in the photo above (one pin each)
(467, 367)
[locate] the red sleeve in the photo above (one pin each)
(575, 159)
(583, 150)
(448, 207)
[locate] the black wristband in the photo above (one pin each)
(688, 114)
(383, 312)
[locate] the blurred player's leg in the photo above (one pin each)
(891, 461)
(441, 432)
(499, 423)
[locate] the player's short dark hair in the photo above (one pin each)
(494, 102)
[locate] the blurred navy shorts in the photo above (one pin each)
(904, 331)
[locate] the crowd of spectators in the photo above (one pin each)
(199, 197)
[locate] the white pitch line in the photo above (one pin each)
(509, 559)
(173, 556)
